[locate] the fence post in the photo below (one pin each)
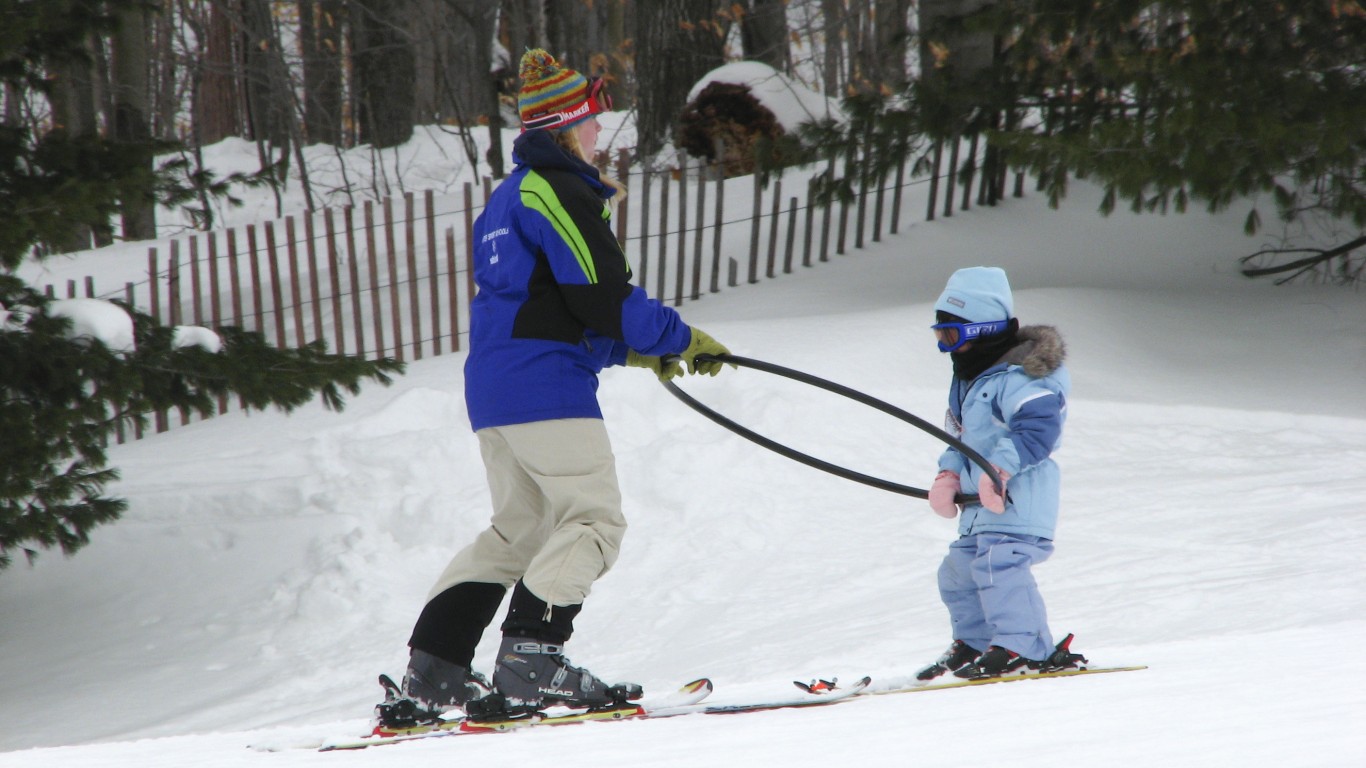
(844, 206)
(773, 228)
(879, 197)
(810, 221)
(235, 279)
(701, 220)
(896, 195)
(128, 296)
(861, 217)
(215, 303)
(662, 264)
(372, 259)
(316, 299)
(469, 245)
(452, 288)
(334, 274)
(951, 178)
(197, 301)
(755, 217)
(410, 242)
(395, 307)
(173, 285)
(969, 172)
(623, 211)
(353, 272)
(295, 288)
(153, 275)
(645, 176)
(720, 216)
(276, 290)
(429, 203)
(827, 210)
(681, 269)
(933, 203)
(791, 234)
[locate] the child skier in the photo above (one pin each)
(1007, 401)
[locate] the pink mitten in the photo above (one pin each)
(945, 487)
(986, 491)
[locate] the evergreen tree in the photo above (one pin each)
(1166, 102)
(63, 400)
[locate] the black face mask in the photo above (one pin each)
(984, 352)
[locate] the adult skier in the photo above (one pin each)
(555, 306)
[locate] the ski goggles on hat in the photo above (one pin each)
(598, 101)
(597, 93)
(952, 336)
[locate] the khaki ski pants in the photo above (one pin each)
(557, 521)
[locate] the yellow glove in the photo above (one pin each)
(671, 369)
(702, 344)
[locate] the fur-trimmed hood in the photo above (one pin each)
(1040, 350)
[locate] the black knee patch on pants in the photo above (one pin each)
(452, 623)
(527, 617)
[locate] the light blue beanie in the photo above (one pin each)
(978, 295)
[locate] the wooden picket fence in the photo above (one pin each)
(393, 278)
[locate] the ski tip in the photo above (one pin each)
(698, 685)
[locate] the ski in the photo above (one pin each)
(1012, 678)
(817, 694)
(685, 697)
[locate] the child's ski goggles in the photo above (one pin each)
(952, 336)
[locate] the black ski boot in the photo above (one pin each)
(431, 688)
(997, 661)
(1061, 658)
(959, 655)
(532, 673)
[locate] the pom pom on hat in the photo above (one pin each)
(552, 96)
(978, 295)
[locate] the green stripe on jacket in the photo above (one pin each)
(538, 195)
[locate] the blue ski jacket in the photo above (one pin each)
(1013, 415)
(555, 304)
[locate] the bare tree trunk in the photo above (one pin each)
(469, 88)
(131, 124)
(616, 30)
(763, 33)
(426, 26)
(217, 113)
(832, 16)
(677, 42)
(167, 89)
(382, 55)
(890, 41)
(524, 27)
(320, 37)
(267, 98)
(73, 112)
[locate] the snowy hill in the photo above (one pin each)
(1214, 518)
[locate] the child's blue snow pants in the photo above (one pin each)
(991, 595)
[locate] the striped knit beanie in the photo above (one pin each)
(552, 96)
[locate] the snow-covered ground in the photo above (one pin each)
(269, 567)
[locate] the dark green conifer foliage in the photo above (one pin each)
(1168, 102)
(62, 401)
